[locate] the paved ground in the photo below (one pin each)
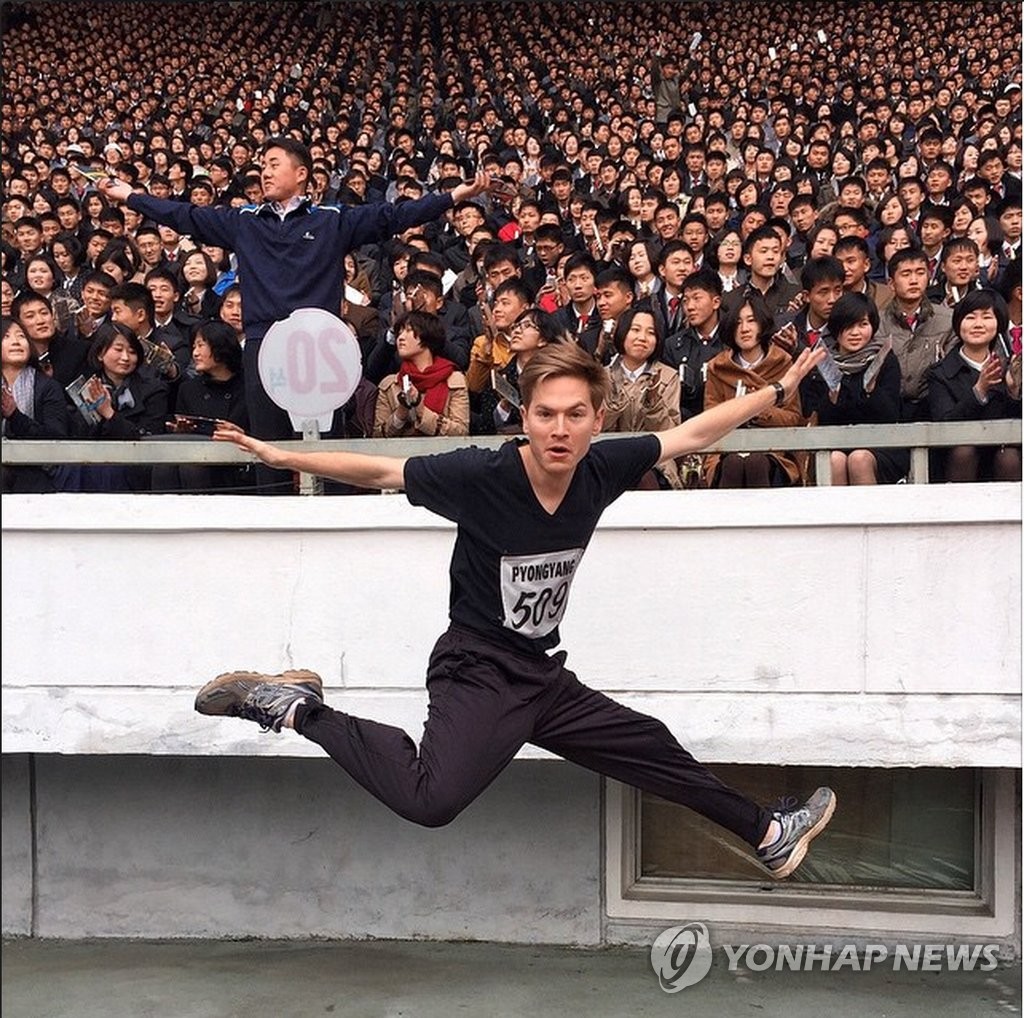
(389, 979)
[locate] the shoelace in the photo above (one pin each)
(267, 705)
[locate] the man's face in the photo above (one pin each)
(612, 300)
(821, 297)
(561, 189)
(424, 299)
(135, 320)
(847, 226)
(70, 217)
(560, 421)
(933, 233)
(96, 299)
(529, 218)
(580, 285)
(877, 179)
(467, 221)
(992, 171)
(938, 180)
(507, 308)
(37, 320)
(696, 236)
(28, 239)
(851, 197)
(497, 274)
(910, 280)
(912, 195)
(855, 268)
(675, 268)
(165, 295)
(282, 176)
(752, 220)
(716, 215)
(1010, 221)
(779, 203)
(764, 257)
(666, 222)
(700, 307)
(150, 248)
(960, 267)
(548, 252)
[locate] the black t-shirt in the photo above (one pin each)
(513, 561)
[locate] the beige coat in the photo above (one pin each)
(454, 420)
(651, 403)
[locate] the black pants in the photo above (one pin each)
(487, 701)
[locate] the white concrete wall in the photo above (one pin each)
(874, 627)
(224, 847)
(826, 626)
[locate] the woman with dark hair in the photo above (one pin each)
(726, 255)
(890, 240)
(986, 232)
(129, 403)
(750, 362)
(868, 393)
(426, 396)
(33, 406)
(118, 402)
(500, 402)
(978, 380)
(217, 392)
(641, 261)
(42, 275)
(69, 254)
(748, 195)
(644, 394)
(93, 205)
(964, 213)
(891, 210)
(116, 261)
(198, 276)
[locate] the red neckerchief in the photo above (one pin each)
(431, 384)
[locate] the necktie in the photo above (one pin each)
(932, 263)
(911, 321)
(812, 336)
(1015, 334)
(673, 308)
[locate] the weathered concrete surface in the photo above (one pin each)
(116, 979)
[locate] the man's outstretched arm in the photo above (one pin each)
(705, 429)
(349, 467)
(210, 225)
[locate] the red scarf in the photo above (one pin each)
(431, 384)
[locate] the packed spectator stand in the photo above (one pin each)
(692, 192)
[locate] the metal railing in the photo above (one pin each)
(820, 440)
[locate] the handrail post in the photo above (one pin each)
(919, 465)
(823, 468)
(310, 484)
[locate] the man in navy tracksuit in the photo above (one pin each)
(291, 254)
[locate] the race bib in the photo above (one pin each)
(535, 590)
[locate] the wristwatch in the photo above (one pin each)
(780, 393)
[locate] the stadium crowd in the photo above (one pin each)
(692, 192)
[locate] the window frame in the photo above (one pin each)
(989, 911)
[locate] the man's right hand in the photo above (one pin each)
(115, 190)
(228, 431)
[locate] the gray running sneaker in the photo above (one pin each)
(799, 828)
(265, 699)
